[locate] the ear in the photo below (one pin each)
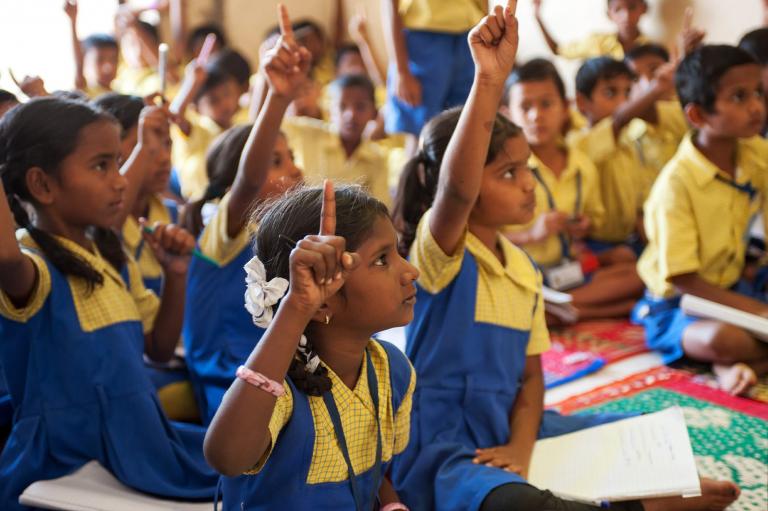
(41, 186)
(323, 315)
(696, 115)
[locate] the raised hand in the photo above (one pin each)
(154, 122)
(537, 8)
(320, 264)
(31, 86)
(171, 245)
(358, 28)
(690, 37)
(286, 65)
(70, 9)
(493, 43)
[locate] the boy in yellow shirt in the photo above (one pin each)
(625, 14)
(96, 57)
(568, 203)
(698, 214)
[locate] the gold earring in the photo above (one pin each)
(327, 319)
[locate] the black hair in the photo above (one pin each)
(359, 81)
(536, 70)
(418, 181)
(41, 133)
(344, 49)
(297, 214)
(150, 30)
(756, 44)
(599, 68)
(6, 96)
(216, 74)
(124, 107)
(647, 50)
(305, 24)
(698, 76)
(98, 41)
(200, 32)
(221, 163)
(75, 95)
(233, 63)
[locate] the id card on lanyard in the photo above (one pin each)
(333, 411)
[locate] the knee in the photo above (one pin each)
(725, 341)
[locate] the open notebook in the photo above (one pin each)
(640, 457)
(699, 307)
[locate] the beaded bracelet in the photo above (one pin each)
(260, 381)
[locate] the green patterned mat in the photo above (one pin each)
(728, 445)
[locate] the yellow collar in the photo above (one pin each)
(704, 171)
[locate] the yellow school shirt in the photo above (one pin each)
(597, 45)
(189, 154)
(148, 265)
(656, 144)
(319, 153)
(506, 293)
(216, 243)
(620, 175)
(565, 195)
(450, 16)
(697, 223)
(98, 306)
(95, 91)
(357, 420)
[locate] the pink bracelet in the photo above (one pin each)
(395, 506)
(260, 381)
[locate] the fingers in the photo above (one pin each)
(170, 238)
(327, 264)
(511, 9)
(328, 210)
(688, 19)
(286, 29)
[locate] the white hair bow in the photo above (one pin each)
(260, 295)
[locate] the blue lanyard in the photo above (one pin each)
(333, 411)
(564, 245)
(747, 187)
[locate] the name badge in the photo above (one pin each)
(565, 275)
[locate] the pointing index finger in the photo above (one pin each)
(328, 210)
(511, 7)
(286, 29)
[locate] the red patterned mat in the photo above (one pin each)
(609, 340)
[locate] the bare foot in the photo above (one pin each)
(735, 379)
(715, 496)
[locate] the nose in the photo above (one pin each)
(410, 273)
(120, 182)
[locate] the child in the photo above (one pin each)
(478, 328)
(430, 67)
(245, 166)
(138, 42)
(625, 14)
(697, 216)
(339, 151)
(75, 317)
(96, 57)
(756, 44)
(568, 203)
(603, 87)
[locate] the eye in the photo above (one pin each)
(101, 165)
(610, 93)
(738, 96)
(381, 260)
(276, 160)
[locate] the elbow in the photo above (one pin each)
(217, 457)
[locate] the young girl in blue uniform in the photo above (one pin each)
(479, 327)
(245, 165)
(75, 317)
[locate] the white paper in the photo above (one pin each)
(552, 296)
(702, 308)
(644, 456)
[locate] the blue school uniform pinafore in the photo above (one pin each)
(219, 334)
(281, 483)
(469, 374)
(156, 283)
(81, 396)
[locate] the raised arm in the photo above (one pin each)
(358, 31)
(285, 68)
(493, 43)
(17, 273)
(643, 105)
(544, 32)
(70, 8)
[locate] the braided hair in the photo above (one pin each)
(42, 133)
(293, 216)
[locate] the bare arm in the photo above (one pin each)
(17, 272)
(644, 105)
(693, 284)
(553, 46)
(461, 171)
(358, 30)
(525, 418)
(177, 11)
(70, 8)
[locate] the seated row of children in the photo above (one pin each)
(325, 271)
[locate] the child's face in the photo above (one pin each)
(507, 191)
(312, 41)
(607, 96)
(645, 67)
(88, 189)
(283, 173)
(351, 63)
(157, 180)
(221, 103)
(626, 14)
(351, 111)
(739, 105)
(539, 109)
(100, 66)
(380, 293)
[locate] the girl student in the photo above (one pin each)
(568, 203)
(319, 409)
(479, 328)
(244, 165)
(75, 316)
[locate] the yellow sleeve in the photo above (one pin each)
(189, 157)
(214, 241)
(538, 342)
(146, 300)
(280, 416)
(594, 208)
(437, 269)
(305, 136)
(671, 118)
(402, 427)
(597, 142)
(378, 179)
(40, 292)
(581, 49)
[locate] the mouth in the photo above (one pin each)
(410, 300)
(116, 205)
